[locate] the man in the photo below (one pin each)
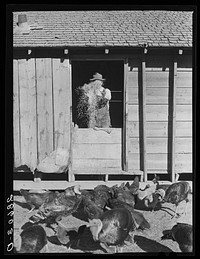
(93, 106)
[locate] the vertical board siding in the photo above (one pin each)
(28, 112)
(16, 121)
(44, 107)
(61, 102)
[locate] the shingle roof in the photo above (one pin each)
(104, 28)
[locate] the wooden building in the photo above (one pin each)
(146, 58)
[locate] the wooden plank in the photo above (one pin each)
(106, 171)
(70, 166)
(133, 97)
(44, 107)
(183, 145)
(133, 112)
(90, 135)
(98, 151)
(16, 114)
(153, 113)
(160, 145)
(62, 185)
(134, 161)
(173, 144)
(157, 79)
(183, 163)
(154, 161)
(153, 145)
(184, 95)
(144, 140)
(184, 112)
(132, 80)
(183, 129)
(28, 118)
(154, 95)
(153, 129)
(125, 142)
(157, 162)
(96, 163)
(157, 95)
(184, 79)
(61, 100)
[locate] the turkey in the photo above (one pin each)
(148, 190)
(35, 199)
(151, 201)
(92, 210)
(122, 193)
(53, 210)
(101, 195)
(72, 191)
(182, 233)
(140, 221)
(70, 236)
(112, 228)
(33, 239)
(176, 193)
(134, 186)
(94, 201)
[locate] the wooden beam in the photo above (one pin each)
(125, 119)
(71, 177)
(61, 185)
(174, 71)
(143, 85)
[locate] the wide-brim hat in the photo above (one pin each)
(97, 76)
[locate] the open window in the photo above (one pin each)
(113, 72)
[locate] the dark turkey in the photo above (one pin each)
(92, 210)
(52, 211)
(36, 199)
(69, 237)
(182, 233)
(176, 193)
(122, 193)
(33, 239)
(94, 201)
(134, 186)
(140, 221)
(112, 228)
(152, 201)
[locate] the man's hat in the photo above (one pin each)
(97, 76)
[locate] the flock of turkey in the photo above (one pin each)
(110, 211)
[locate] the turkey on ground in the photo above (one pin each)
(35, 199)
(134, 186)
(122, 193)
(112, 228)
(140, 221)
(61, 206)
(69, 237)
(176, 193)
(182, 233)
(153, 200)
(33, 239)
(94, 201)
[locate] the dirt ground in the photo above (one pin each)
(148, 241)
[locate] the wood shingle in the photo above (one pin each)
(104, 28)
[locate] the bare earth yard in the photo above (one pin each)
(145, 241)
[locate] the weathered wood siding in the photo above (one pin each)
(41, 108)
(158, 129)
(96, 149)
(183, 139)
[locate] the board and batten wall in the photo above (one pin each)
(41, 89)
(159, 84)
(42, 101)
